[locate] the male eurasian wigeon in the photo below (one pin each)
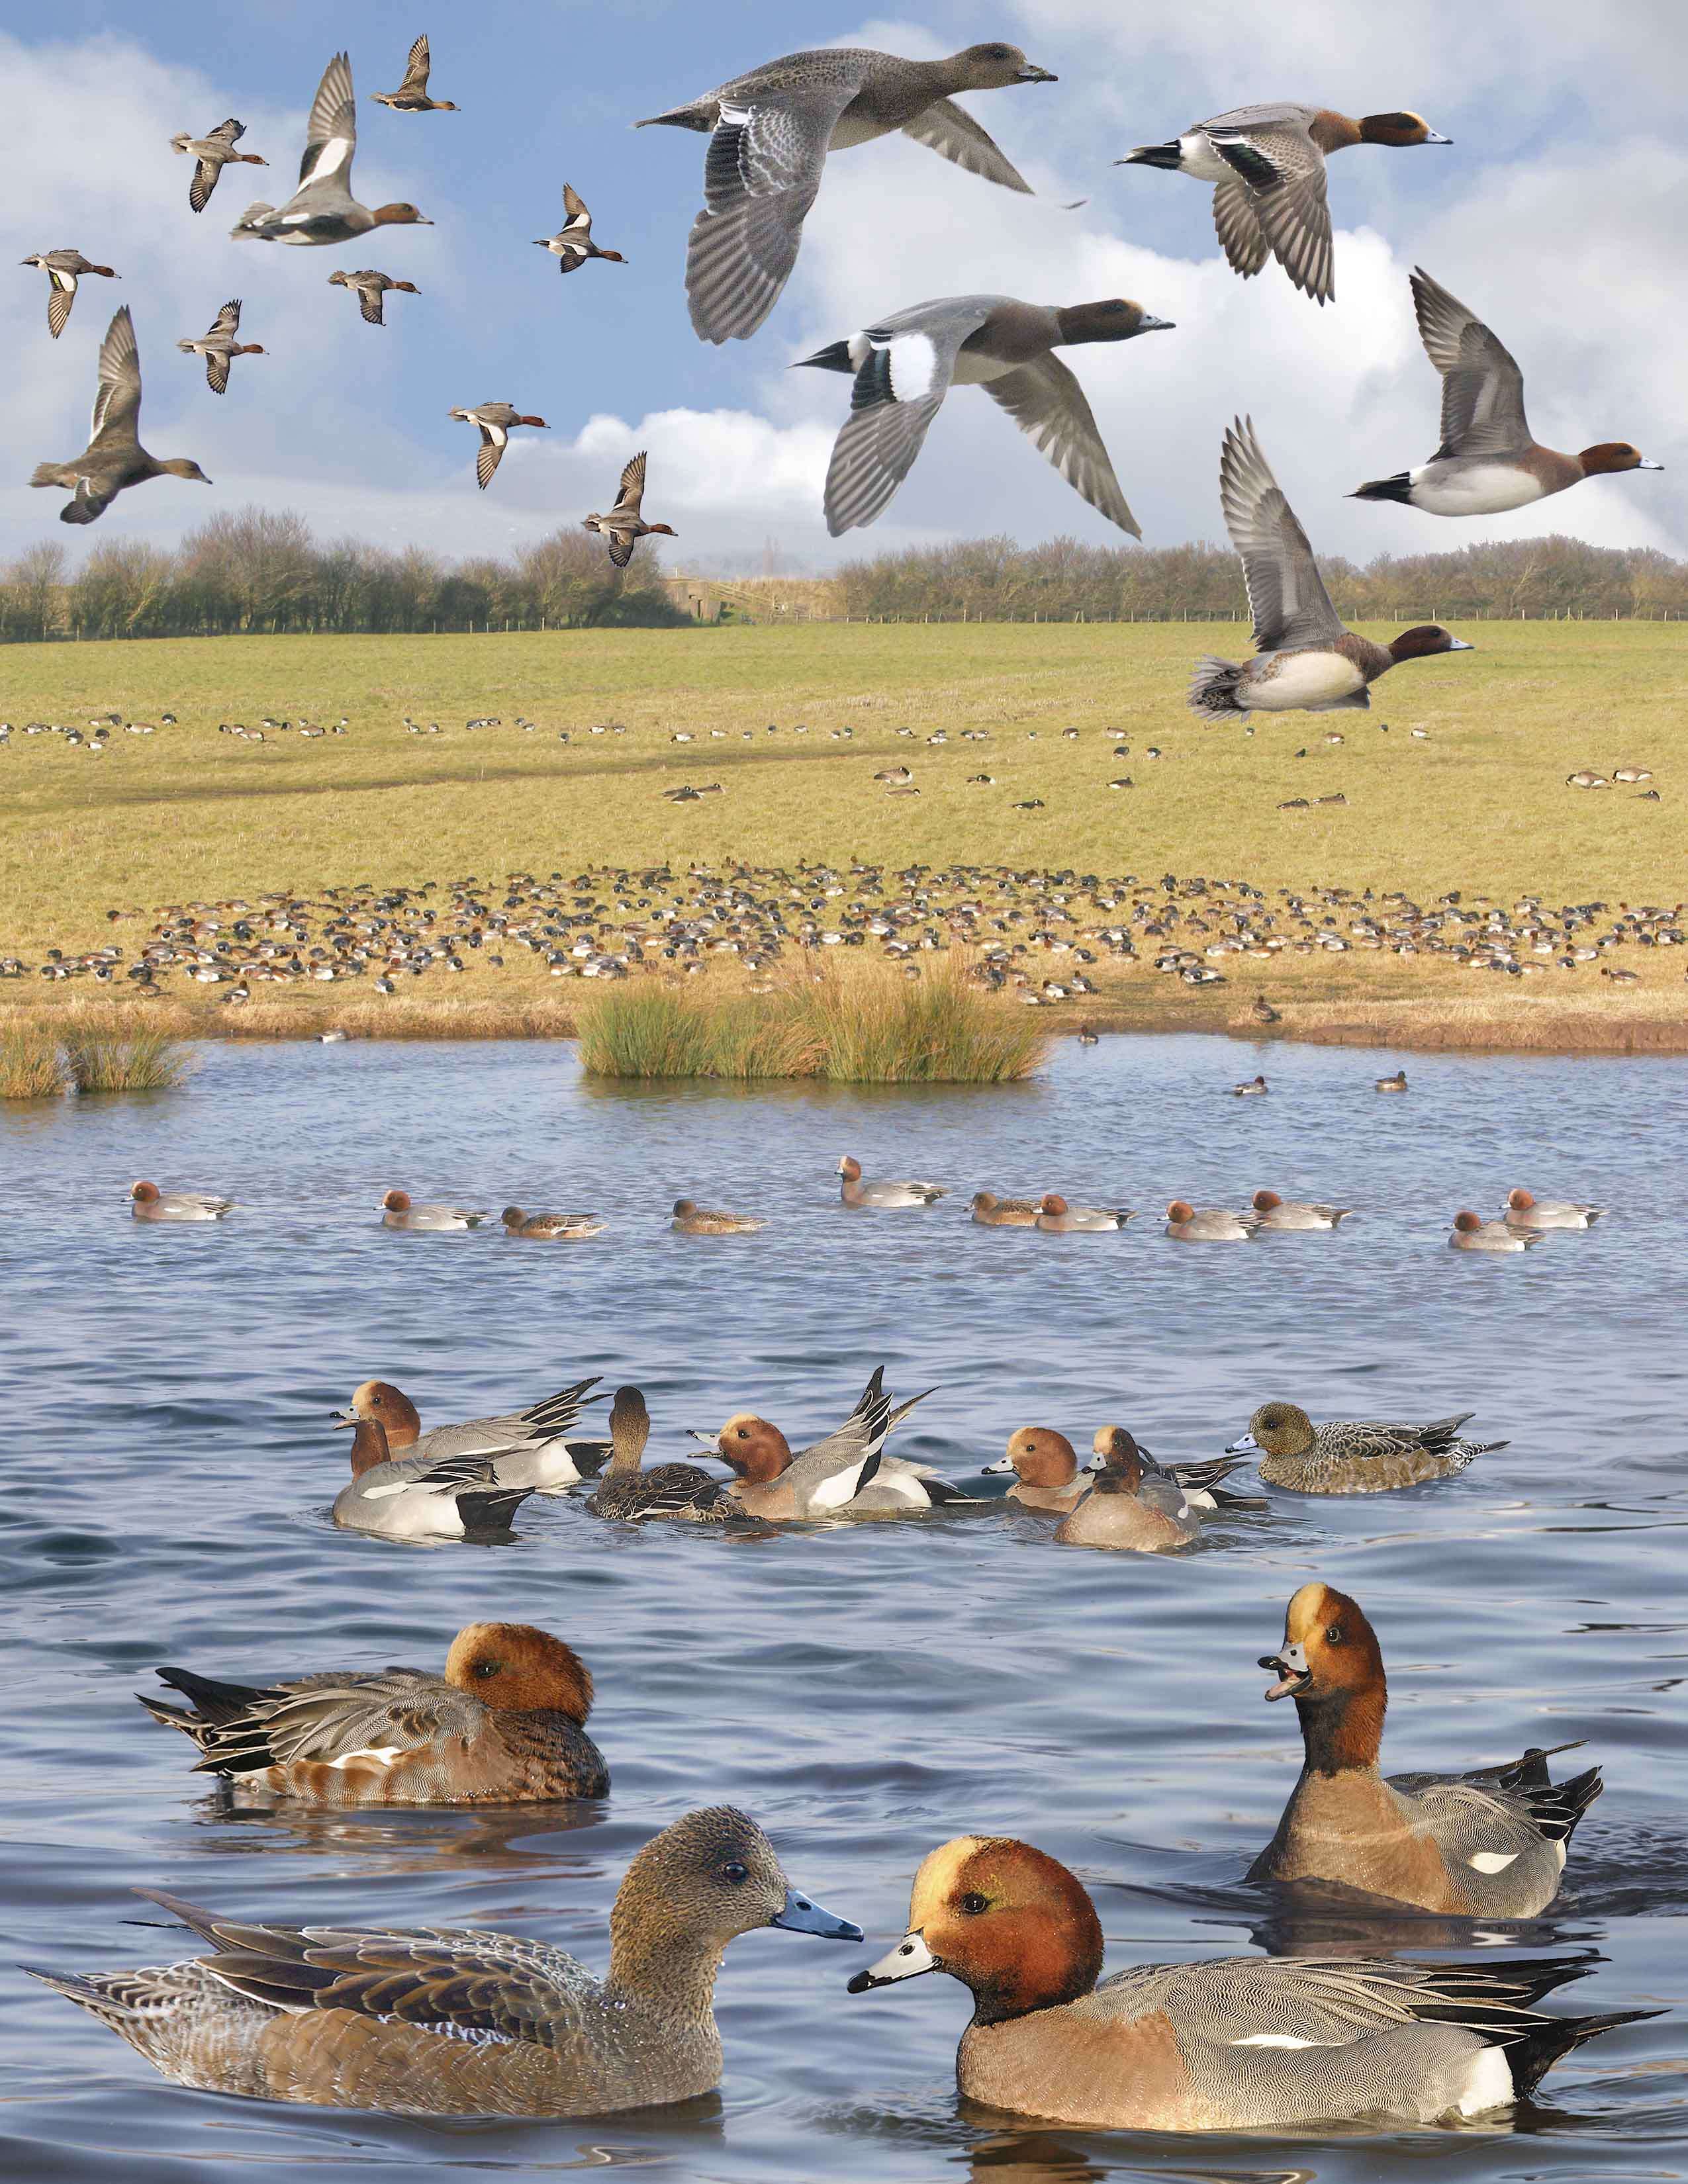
(1200, 1484)
(845, 1474)
(322, 209)
(853, 1191)
(147, 1202)
(1472, 1233)
(1276, 1213)
(1395, 1083)
(1208, 1224)
(1489, 460)
(1348, 1457)
(114, 458)
(63, 269)
(1308, 660)
(905, 364)
(1487, 1845)
(496, 420)
(449, 1497)
(537, 1448)
(991, 1212)
(1045, 1467)
(504, 1723)
(399, 1211)
(412, 94)
(1057, 1216)
(370, 289)
(430, 2021)
(770, 132)
(692, 1219)
(1232, 2044)
(549, 1228)
(212, 153)
(677, 1492)
(1252, 1088)
(1267, 164)
(1132, 1505)
(217, 346)
(622, 526)
(1525, 1211)
(572, 243)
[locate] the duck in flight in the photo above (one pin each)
(572, 243)
(496, 420)
(63, 269)
(212, 153)
(113, 457)
(623, 526)
(322, 209)
(412, 95)
(217, 345)
(370, 289)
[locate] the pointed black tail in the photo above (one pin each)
(1155, 155)
(1398, 488)
(1534, 2053)
(835, 357)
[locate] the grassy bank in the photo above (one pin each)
(102, 1047)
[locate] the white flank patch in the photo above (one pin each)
(1488, 489)
(1275, 2040)
(1306, 678)
(381, 1493)
(1489, 2084)
(914, 366)
(382, 1754)
(1491, 1861)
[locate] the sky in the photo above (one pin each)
(1555, 214)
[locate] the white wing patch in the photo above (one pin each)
(913, 366)
(841, 1488)
(1275, 2040)
(334, 154)
(1491, 1861)
(382, 1754)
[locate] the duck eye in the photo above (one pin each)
(972, 1903)
(736, 1872)
(1332, 1635)
(744, 1433)
(487, 1668)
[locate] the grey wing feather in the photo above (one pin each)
(761, 175)
(488, 456)
(369, 301)
(884, 433)
(227, 321)
(1482, 387)
(58, 303)
(1326, 2000)
(117, 404)
(630, 491)
(226, 132)
(950, 130)
(1287, 599)
(217, 372)
(328, 1717)
(1295, 218)
(206, 173)
(416, 67)
(333, 113)
(620, 544)
(1049, 405)
(1238, 228)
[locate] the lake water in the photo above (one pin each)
(866, 1690)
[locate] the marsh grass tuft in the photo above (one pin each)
(871, 1026)
(31, 1062)
(108, 1050)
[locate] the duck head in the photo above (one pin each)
(144, 1194)
(518, 1669)
(850, 1168)
(1280, 1430)
(540, 422)
(1608, 456)
(1266, 1201)
(1118, 1460)
(1115, 318)
(1053, 1204)
(1402, 130)
(1180, 1211)
(182, 467)
(399, 216)
(1469, 1224)
(1038, 1456)
(992, 67)
(1426, 639)
(753, 1447)
(390, 1407)
(1331, 1665)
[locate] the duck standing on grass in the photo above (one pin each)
(217, 346)
(370, 287)
(623, 526)
(63, 269)
(212, 153)
(1308, 660)
(572, 243)
(412, 94)
(114, 458)
(322, 209)
(496, 420)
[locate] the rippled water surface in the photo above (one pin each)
(866, 1690)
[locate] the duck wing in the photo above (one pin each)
(630, 493)
(416, 66)
(217, 371)
(61, 293)
(370, 300)
(1287, 601)
(951, 132)
(227, 321)
(117, 401)
(206, 173)
(1049, 405)
(899, 388)
(620, 544)
(331, 133)
(1482, 387)
(1284, 172)
(494, 441)
(329, 1718)
(761, 175)
(1238, 227)
(579, 220)
(226, 132)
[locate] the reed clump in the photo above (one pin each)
(868, 1027)
(111, 1051)
(31, 1062)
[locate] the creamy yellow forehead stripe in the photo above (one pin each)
(939, 1870)
(1305, 1610)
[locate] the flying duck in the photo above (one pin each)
(63, 269)
(412, 95)
(217, 345)
(322, 209)
(212, 153)
(370, 287)
(623, 526)
(572, 243)
(114, 457)
(496, 420)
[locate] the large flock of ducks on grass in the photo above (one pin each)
(475, 2023)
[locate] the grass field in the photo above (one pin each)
(1480, 806)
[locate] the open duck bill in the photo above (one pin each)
(1294, 1677)
(344, 1419)
(908, 1960)
(801, 1916)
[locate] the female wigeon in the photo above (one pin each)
(63, 269)
(322, 209)
(506, 1723)
(692, 1219)
(1472, 1233)
(853, 1191)
(1489, 460)
(537, 1448)
(1056, 1215)
(549, 1228)
(412, 94)
(147, 1202)
(1525, 1211)
(1308, 661)
(1238, 2043)
(1276, 1213)
(769, 133)
(678, 1492)
(217, 346)
(1349, 1456)
(399, 1211)
(114, 458)
(846, 1474)
(991, 1212)
(452, 1498)
(1130, 1507)
(429, 2021)
(572, 243)
(1208, 1224)
(370, 289)
(1045, 1467)
(1487, 1845)
(905, 363)
(622, 526)
(212, 153)
(1268, 165)
(496, 422)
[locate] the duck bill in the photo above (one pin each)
(1435, 137)
(1459, 644)
(1032, 74)
(1148, 325)
(801, 1916)
(908, 1960)
(1002, 1463)
(344, 1419)
(1646, 463)
(1294, 1675)
(1247, 1445)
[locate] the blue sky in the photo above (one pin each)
(1555, 214)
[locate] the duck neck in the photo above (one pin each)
(664, 1970)
(1344, 1731)
(1334, 132)
(369, 1446)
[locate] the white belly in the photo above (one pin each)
(1304, 679)
(1200, 159)
(1475, 489)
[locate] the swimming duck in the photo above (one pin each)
(1132, 1505)
(572, 243)
(1267, 163)
(537, 1448)
(622, 526)
(1200, 1483)
(991, 1212)
(430, 2020)
(400, 1212)
(218, 345)
(1345, 1457)
(692, 1219)
(1056, 1214)
(370, 288)
(322, 209)
(1237, 2043)
(681, 1491)
(1307, 661)
(447, 1497)
(905, 364)
(1045, 1467)
(1525, 1211)
(1487, 1845)
(769, 133)
(845, 1474)
(496, 421)
(1250, 1089)
(412, 95)
(549, 1228)
(506, 1723)
(1276, 1213)
(853, 1191)
(1489, 460)
(114, 458)
(148, 1203)
(1472, 1233)
(1208, 1224)
(63, 269)
(1395, 1083)
(212, 153)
